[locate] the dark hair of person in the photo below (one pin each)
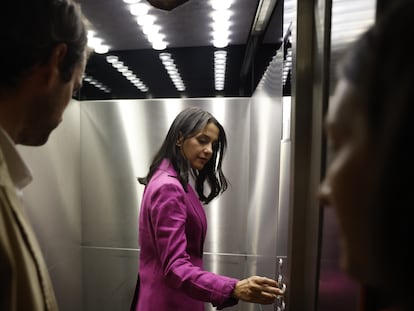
(381, 65)
(29, 31)
(187, 124)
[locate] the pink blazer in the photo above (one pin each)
(172, 229)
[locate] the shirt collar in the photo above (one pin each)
(18, 170)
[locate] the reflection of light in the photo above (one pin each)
(289, 14)
(286, 116)
(349, 19)
(218, 109)
(172, 109)
(263, 152)
(214, 225)
(130, 120)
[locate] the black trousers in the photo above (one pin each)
(136, 294)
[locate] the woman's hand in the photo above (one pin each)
(257, 289)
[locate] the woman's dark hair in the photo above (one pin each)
(29, 31)
(187, 124)
(381, 65)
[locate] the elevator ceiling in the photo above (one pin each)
(187, 30)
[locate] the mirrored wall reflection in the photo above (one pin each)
(350, 18)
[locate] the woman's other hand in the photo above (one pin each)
(257, 289)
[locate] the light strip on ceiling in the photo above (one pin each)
(221, 15)
(172, 70)
(126, 72)
(141, 11)
(220, 59)
(287, 65)
(96, 43)
(91, 80)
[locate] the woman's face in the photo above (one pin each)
(198, 149)
(348, 181)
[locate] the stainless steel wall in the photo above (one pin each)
(118, 141)
(52, 202)
(85, 197)
(269, 190)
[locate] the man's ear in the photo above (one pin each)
(58, 54)
(51, 68)
(166, 4)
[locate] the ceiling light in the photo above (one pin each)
(93, 42)
(126, 72)
(220, 54)
(220, 43)
(168, 62)
(156, 37)
(97, 84)
(219, 16)
(221, 25)
(139, 9)
(219, 69)
(117, 64)
(222, 35)
(221, 4)
(102, 49)
(96, 43)
(146, 20)
(131, 77)
(122, 69)
(165, 56)
(131, 1)
(159, 45)
(172, 71)
(111, 58)
(151, 29)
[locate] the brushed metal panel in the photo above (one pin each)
(264, 161)
(284, 200)
(52, 201)
(240, 266)
(119, 139)
(109, 277)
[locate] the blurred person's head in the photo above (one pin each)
(369, 179)
(42, 61)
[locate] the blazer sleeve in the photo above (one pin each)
(168, 217)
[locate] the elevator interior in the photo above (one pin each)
(84, 200)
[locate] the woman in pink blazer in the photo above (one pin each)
(172, 223)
